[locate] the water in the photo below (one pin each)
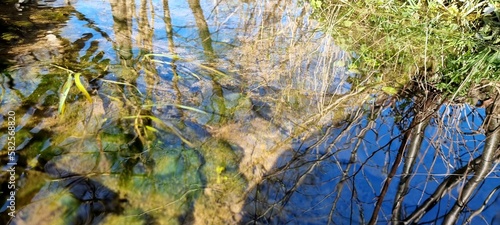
(216, 112)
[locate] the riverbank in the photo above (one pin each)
(450, 48)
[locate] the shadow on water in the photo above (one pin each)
(230, 112)
(431, 152)
(87, 201)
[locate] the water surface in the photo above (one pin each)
(221, 112)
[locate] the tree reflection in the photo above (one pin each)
(122, 11)
(285, 139)
(339, 178)
(203, 30)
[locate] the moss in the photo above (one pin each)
(51, 15)
(10, 37)
(23, 24)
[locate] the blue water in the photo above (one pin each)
(262, 63)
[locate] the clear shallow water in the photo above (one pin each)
(228, 112)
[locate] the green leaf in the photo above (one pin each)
(150, 128)
(80, 87)
(316, 4)
(64, 93)
(347, 23)
(390, 90)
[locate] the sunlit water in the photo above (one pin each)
(216, 112)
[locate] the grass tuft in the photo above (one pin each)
(450, 46)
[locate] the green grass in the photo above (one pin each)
(451, 47)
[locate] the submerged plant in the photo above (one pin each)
(63, 94)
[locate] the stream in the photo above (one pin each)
(222, 112)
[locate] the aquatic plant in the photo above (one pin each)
(73, 78)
